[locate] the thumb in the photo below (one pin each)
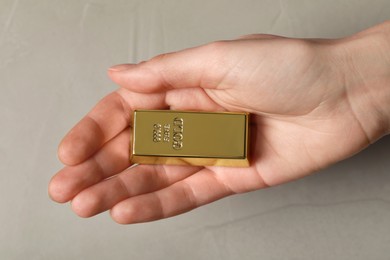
(196, 67)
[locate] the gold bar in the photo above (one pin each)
(190, 138)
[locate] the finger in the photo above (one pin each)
(104, 121)
(108, 118)
(132, 182)
(202, 66)
(110, 160)
(258, 36)
(194, 191)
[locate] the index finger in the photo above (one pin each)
(106, 120)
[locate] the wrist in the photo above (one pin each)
(366, 73)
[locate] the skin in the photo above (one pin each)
(314, 102)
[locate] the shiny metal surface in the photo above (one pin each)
(190, 138)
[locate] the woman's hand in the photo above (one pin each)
(314, 102)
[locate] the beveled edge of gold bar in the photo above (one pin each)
(190, 161)
(193, 161)
(190, 111)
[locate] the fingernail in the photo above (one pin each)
(120, 67)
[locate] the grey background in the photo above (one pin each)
(53, 60)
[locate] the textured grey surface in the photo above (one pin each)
(53, 58)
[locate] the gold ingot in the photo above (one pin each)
(190, 138)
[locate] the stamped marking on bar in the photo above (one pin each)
(178, 129)
(157, 133)
(167, 133)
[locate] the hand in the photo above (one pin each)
(306, 115)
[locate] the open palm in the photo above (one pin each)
(302, 121)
